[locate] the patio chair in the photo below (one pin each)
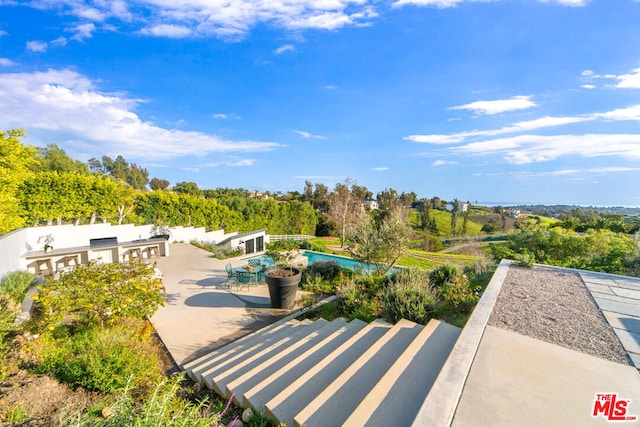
(231, 276)
(245, 278)
(256, 263)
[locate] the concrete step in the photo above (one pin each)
(217, 379)
(288, 402)
(399, 394)
(244, 382)
(269, 387)
(223, 359)
(333, 405)
(244, 342)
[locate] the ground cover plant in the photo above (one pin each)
(217, 251)
(447, 293)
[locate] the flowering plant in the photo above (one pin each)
(48, 240)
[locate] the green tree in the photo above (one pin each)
(17, 163)
(187, 188)
(455, 216)
(132, 174)
(382, 245)
(158, 184)
(55, 159)
(388, 199)
(344, 207)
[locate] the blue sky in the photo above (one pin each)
(511, 101)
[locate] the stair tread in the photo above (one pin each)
(239, 343)
(239, 385)
(335, 403)
(217, 380)
(227, 358)
(412, 375)
(289, 401)
(260, 393)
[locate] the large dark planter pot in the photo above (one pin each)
(282, 290)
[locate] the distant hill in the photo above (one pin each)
(556, 210)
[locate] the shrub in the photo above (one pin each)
(355, 303)
(217, 251)
(311, 246)
(94, 294)
(410, 296)
(444, 274)
(459, 296)
(100, 359)
(8, 312)
(328, 270)
(16, 284)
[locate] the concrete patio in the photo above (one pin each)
(200, 313)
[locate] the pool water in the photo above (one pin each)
(264, 260)
(343, 261)
(318, 256)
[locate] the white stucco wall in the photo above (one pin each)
(15, 245)
(12, 248)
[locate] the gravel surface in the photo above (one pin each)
(556, 307)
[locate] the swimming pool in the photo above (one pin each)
(321, 257)
(343, 261)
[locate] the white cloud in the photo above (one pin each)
(434, 3)
(233, 162)
(167, 30)
(225, 116)
(6, 62)
(498, 106)
(37, 46)
(629, 81)
(3, 32)
(380, 169)
(60, 41)
(438, 139)
(308, 135)
(587, 73)
(587, 86)
(523, 126)
(443, 162)
(65, 106)
(284, 48)
(628, 113)
(586, 171)
(573, 3)
(525, 149)
(331, 87)
(228, 19)
(82, 31)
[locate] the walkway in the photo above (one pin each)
(619, 299)
(200, 314)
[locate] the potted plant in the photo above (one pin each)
(283, 278)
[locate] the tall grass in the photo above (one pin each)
(163, 407)
(16, 284)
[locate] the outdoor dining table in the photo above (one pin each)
(255, 271)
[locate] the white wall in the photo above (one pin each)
(15, 245)
(12, 247)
